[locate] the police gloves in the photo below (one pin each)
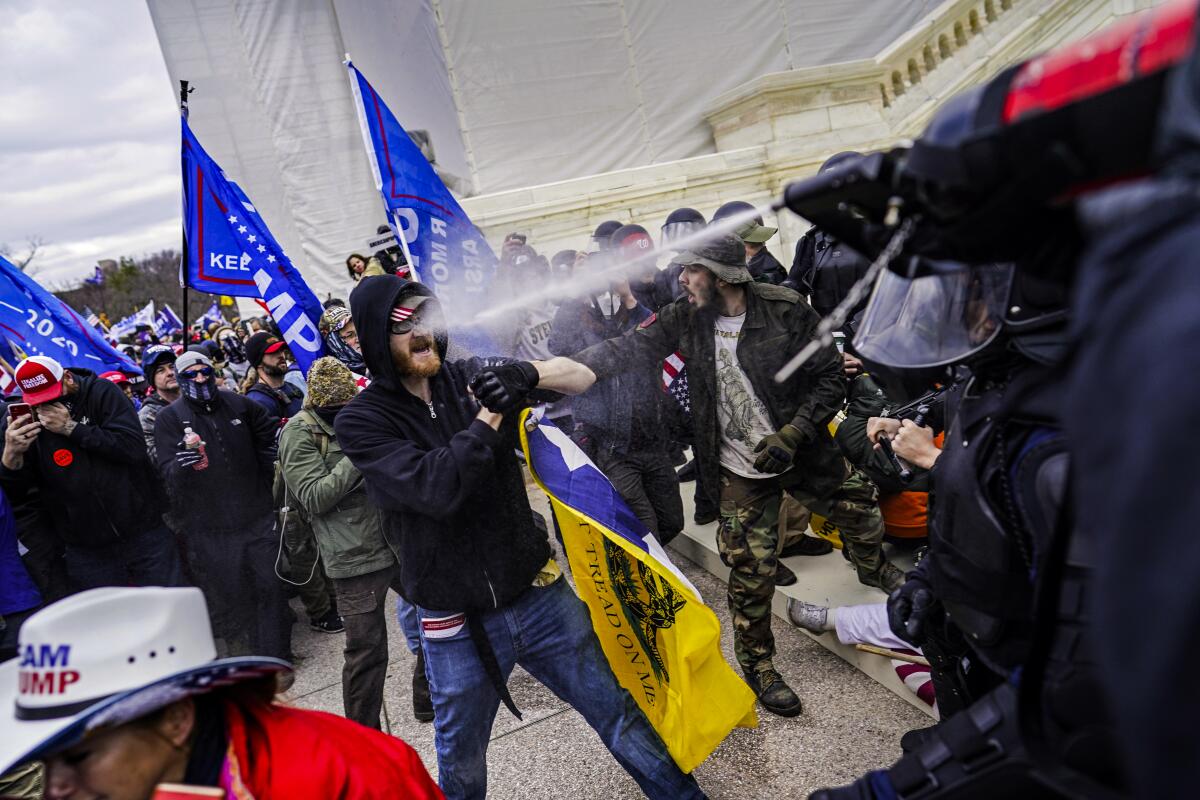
(504, 388)
(910, 608)
(777, 451)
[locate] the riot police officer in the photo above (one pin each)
(824, 268)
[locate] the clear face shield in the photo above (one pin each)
(676, 231)
(933, 320)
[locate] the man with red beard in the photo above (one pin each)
(488, 592)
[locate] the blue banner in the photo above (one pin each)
(36, 323)
(231, 252)
(167, 321)
(446, 251)
(212, 315)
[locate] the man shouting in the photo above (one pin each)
(754, 438)
(487, 591)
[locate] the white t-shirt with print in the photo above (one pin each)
(741, 416)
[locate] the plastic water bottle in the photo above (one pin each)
(192, 441)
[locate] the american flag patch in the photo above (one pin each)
(400, 313)
(671, 367)
(675, 380)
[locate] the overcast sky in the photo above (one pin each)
(89, 135)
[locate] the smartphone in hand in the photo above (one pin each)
(18, 410)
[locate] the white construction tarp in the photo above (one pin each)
(511, 92)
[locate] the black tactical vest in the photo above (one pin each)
(989, 530)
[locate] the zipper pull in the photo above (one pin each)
(432, 413)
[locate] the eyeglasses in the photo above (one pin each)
(205, 372)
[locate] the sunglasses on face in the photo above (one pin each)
(422, 317)
(206, 372)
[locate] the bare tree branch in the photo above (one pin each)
(33, 244)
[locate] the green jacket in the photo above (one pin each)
(778, 324)
(865, 399)
(323, 483)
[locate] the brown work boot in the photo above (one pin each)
(775, 695)
(784, 575)
(888, 578)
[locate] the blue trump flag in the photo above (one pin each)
(446, 251)
(36, 323)
(167, 321)
(231, 252)
(213, 314)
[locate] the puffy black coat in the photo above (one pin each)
(98, 484)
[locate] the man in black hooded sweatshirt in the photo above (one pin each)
(488, 592)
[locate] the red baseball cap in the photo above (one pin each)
(116, 376)
(40, 379)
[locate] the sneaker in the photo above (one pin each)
(889, 578)
(422, 702)
(784, 575)
(807, 546)
(775, 695)
(812, 618)
(687, 472)
(330, 623)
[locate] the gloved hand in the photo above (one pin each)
(504, 388)
(187, 458)
(910, 609)
(776, 452)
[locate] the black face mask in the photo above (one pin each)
(327, 413)
(204, 392)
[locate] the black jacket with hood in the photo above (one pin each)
(98, 484)
(451, 491)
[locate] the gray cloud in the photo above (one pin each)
(89, 134)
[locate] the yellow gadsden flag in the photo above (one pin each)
(663, 642)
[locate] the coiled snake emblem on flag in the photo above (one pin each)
(649, 604)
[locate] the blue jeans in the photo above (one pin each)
(144, 559)
(409, 624)
(549, 633)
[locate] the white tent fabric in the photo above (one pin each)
(512, 92)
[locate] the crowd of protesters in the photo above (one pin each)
(225, 467)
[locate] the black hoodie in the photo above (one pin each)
(450, 488)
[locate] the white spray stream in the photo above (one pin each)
(599, 279)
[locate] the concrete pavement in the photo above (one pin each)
(850, 723)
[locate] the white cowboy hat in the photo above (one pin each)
(107, 656)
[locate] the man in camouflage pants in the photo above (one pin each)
(754, 439)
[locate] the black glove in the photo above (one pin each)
(187, 458)
(910, 608)
(504, 388)
(777, 451)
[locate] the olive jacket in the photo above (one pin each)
(329, 491)
(778, 324)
